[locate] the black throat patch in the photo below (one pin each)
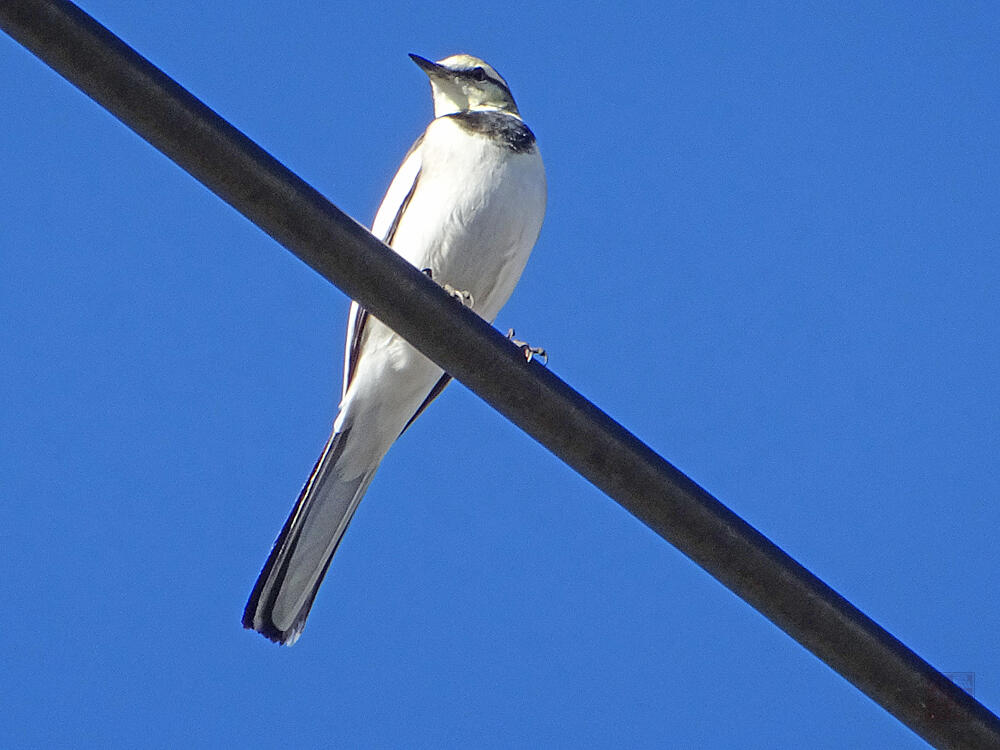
(506, 129)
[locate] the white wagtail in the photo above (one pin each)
(466, 206)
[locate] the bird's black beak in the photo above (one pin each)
(432, 69)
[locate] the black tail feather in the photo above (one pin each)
(323, 487)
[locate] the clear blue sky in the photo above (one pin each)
(771, 251)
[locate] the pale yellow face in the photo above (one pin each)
(464, 83)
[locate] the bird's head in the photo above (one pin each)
(463, 83)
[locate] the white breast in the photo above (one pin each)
(475, 213)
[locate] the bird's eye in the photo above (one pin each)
(479, 74)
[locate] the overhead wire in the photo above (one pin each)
(267, 193)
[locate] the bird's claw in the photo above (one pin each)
(460, 294)
(530, 352)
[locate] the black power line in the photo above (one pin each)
(340, 249)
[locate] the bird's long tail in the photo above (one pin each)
(284, 592)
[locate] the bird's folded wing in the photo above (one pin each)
(387, 218)
(435, 392)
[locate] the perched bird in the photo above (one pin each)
(466, 206)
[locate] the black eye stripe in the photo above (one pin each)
(479, 75)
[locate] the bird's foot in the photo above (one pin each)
(461, 295)
(530, 352)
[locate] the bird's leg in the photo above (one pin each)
(530, 352)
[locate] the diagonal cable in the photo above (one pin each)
(531, 396)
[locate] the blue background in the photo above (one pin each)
(771, 251)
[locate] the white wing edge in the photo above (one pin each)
(385, 223)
